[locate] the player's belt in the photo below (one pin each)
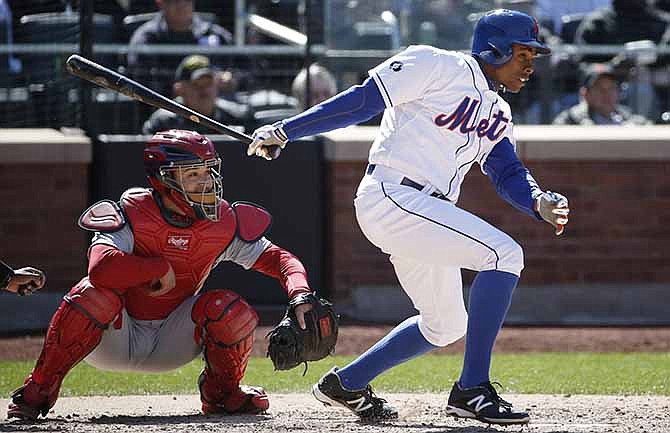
(406, 181)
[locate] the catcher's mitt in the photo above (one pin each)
(289, 345)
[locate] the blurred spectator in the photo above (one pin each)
(553, 11)
(555, 83)
(599, 101)
(9, 63)
(542, 98)
(175, 24)
(623, 21)
(269, 105)
(322, 86)
(628, 21)
(196, 85)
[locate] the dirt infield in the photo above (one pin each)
(356, 339)
(419, 413)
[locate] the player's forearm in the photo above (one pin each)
(511, 178)
(111, 268)
(519, 189)
(353, 106)
(278, 263)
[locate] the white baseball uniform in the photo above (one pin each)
(441, 118)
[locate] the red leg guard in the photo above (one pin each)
(225, 326)
(75, 330)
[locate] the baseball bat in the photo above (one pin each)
(104, 77)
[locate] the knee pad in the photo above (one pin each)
(75, 330)
(98, 304)
(223, 316)
(224, 326)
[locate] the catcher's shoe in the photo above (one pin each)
(483, 403)
(19, 406)
(363, 403)
(244, 400)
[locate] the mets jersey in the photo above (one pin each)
(441, 117)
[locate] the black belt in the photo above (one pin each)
(408, 182)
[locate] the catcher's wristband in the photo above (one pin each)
(6, 275)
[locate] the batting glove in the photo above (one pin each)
(268, 141)
(553, 208)
(26, 281)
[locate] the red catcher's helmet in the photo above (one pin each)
(168, 155)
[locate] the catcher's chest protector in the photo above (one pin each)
(191, 251)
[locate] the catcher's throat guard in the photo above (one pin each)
(289, 345)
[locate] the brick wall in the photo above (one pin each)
(618, 233)
(44, 189)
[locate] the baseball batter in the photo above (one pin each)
(443, 113)
(140, 307)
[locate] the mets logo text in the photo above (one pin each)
(179, 242)
(461, 119)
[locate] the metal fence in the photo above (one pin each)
(265, 57)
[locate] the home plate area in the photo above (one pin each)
(301, 413)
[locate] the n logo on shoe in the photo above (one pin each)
(479, 402)
(360, 404)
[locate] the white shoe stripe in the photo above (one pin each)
(360, 404)
(479, 402)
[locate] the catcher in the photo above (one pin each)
(139, 308)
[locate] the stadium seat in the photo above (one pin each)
(15, 108)
(47, 69)
(373, 35)
(114, 113)
(62, 27)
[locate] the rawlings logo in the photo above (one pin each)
(491, 128)
(324, 326)
(179, 242)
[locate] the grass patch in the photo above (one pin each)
(546, 373)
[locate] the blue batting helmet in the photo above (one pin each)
(497, 30)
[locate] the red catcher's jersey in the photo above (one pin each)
(191, 251)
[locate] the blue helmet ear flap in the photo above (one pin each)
(494, 56)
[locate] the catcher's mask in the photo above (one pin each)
(184, 166)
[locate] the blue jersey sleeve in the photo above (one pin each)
(355, 105)
(511, 178)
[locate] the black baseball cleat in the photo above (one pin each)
(363, 403)
(483, 403)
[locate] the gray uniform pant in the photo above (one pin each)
(149, 346)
